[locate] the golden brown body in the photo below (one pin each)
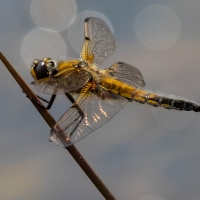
(131, 93)
(101, 93)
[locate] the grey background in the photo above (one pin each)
(142, 153)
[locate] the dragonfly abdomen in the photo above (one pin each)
(165, 102)
(118, 87)
(141, 96)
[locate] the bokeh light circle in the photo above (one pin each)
(54, 15)
(76, 31)
(174, 119)
(157, 27)
(42, 43)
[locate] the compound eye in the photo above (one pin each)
(41, 70)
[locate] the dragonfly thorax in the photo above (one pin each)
(82, 64)
(88, 67)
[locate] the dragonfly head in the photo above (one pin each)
(43, 68)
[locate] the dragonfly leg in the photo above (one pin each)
(66, 126)
(50, 102)
(81, 114)
(69, 96)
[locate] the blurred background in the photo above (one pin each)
(143, 153)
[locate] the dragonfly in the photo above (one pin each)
(96, 95)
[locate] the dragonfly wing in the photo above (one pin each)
(126, 73)
(99, 43)
(65, 82)
(97, 109)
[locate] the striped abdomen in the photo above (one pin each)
(165, 102)
(142, 96)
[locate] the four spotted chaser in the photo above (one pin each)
(96, 95)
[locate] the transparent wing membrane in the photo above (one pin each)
(126, 73)
(66, 82)
(97, 109)
(99, 43)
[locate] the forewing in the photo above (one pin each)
(65, 82)
(126, 73)
(97, 109)
(99, 43)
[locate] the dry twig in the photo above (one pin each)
(50, 121)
